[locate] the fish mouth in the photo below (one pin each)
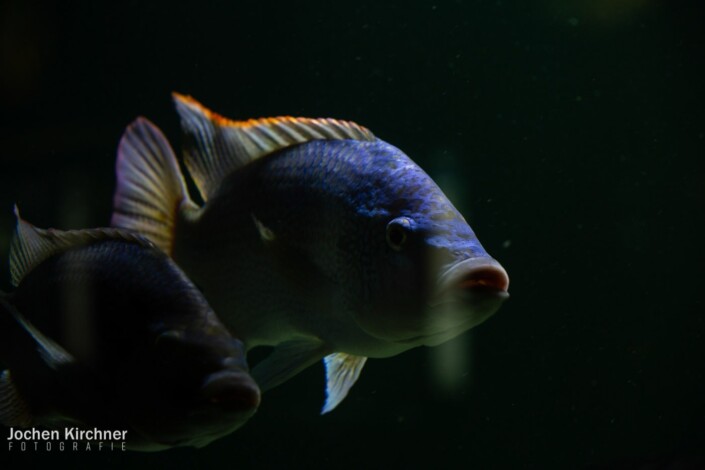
(225, 401)
(473, 282)
(468, 293)
(233, 391)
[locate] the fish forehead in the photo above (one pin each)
(376, 180)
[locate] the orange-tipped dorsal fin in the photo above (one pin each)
(216, 146)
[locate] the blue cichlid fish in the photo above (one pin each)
(104, 330)
(315, 237)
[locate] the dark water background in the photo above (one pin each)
(570, 133)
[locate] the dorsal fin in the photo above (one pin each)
(216, 146)
(31, 245)
(151, 192)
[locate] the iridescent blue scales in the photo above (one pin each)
(315, 238)
(374, 180)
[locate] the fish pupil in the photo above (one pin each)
(396, 235)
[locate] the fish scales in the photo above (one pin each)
(338, 247)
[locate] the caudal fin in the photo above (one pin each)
(150, 186)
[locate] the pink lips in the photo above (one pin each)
(482, 274)
(485, 278)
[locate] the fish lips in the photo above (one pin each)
(466, 294)
(228, 398)
(470, 291)
(232, 390)
(473, 281)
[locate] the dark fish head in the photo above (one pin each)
(197, 382)
(201, 389)
(430, 278)
(124, 338)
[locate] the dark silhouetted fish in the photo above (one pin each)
(315, 238)
(104, 330)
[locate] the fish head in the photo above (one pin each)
(201, 388)
(428, 277)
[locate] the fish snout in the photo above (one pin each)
(474, 280)
(488, 277)
(231, 390)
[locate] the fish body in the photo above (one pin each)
(324, 266)
(104, 330)
(316, 238)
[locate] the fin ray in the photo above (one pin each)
(31, 245)
(342, 371)
(216, 146)
(150, 186)
(51, 352)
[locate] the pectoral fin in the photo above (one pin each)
(50, 352)
(19, 337)
(342, 371)
(287, 360)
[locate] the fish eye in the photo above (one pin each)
(397, 232)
